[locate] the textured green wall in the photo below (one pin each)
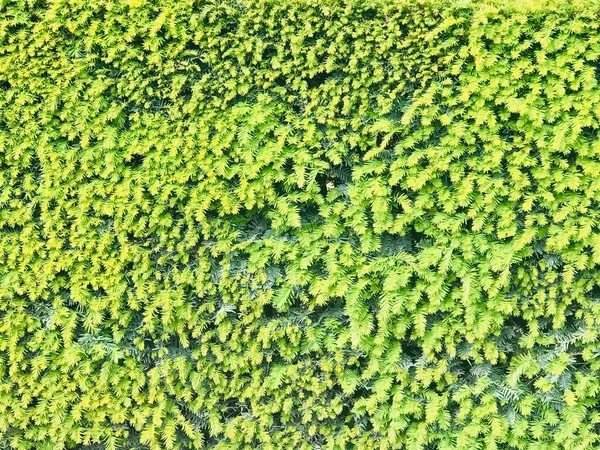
(299, 225)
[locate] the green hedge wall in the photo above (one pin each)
(299, 225)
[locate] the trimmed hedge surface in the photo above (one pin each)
(299, 225)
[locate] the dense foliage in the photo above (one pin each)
(299, 225)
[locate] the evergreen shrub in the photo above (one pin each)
(298, 224)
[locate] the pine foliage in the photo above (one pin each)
(243, 224)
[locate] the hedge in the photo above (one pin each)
(259, 224)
